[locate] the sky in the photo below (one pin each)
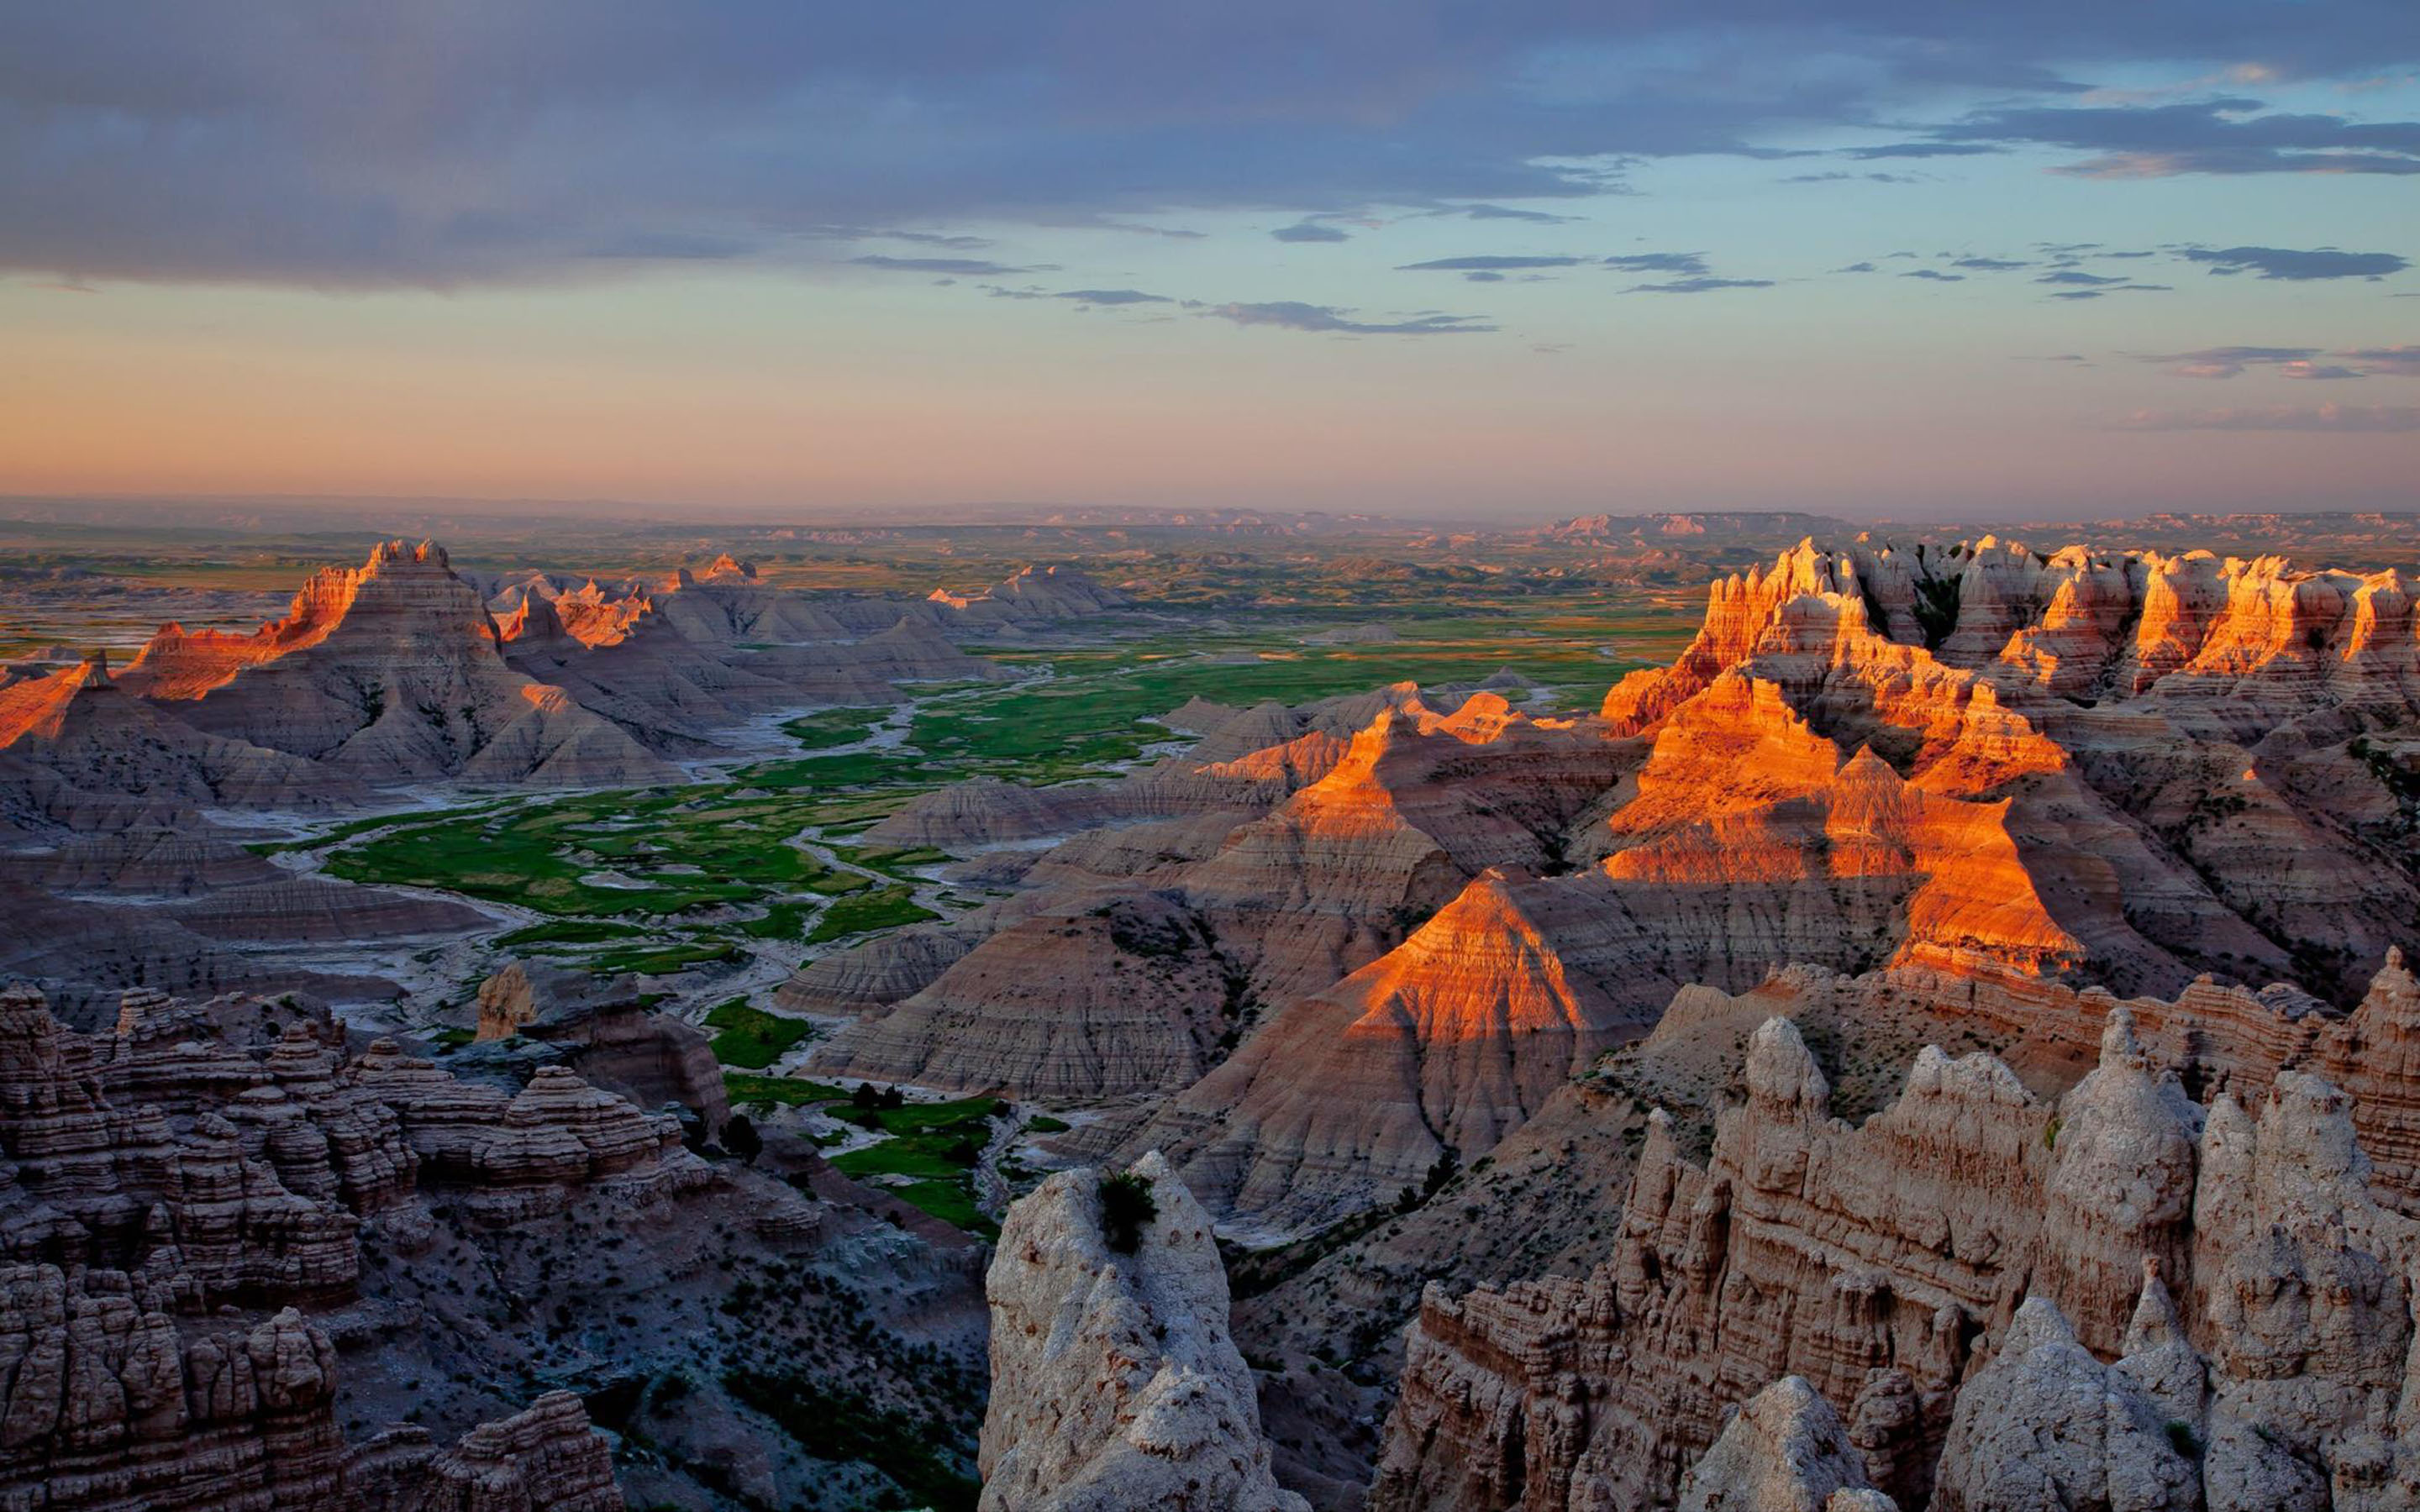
(1491, 259)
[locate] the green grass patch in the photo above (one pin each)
(887, 909)
(785, 1092)
(863, 768)
(659, 960)
(938, 1144)
(1044, 1123)
(827, 728)
(901, 863)
(568, 932)
(751, 1038)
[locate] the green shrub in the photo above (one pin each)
(1126, 1206)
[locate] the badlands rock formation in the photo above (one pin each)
(1784, 1451)
(1972, 765)
(1977, 1282)
(1166, 957)
(1115, 1382)
(159, 1177)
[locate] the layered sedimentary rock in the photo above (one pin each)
(1448, 1042)
(1146, 990)
(1955, 1277)
(1784, 1451)
(1115, 1381)
(385, 671)
(2175, 737)
(163, 1176)
(604, 1030)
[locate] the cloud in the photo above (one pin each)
(1921, 149)
(1836, 177)
(1309, 231)
(1112, 296)
(2114, 289)
(2395, 361)
(922, 239)
(1699, 286)
(2083, 280)
(1486, 264)
(2284, 262)
(2229, 136)
(1856, 268)
(2289, 361)
(361, 144)
(2326, 417)
(1935, 275)
(1660, 262)
(1988, 265)
(1506, 212)
(954, 267)
(1293, 315)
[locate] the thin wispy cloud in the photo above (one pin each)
(2221, 362)
(1492, 264)
(1310, 231)
(1660, 262)
(2344, 418)
(954, 267)
(1293, 315)
(1699, 286)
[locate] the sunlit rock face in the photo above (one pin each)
(2004, 776)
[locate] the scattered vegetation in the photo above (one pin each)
(839, 1425)
(751, 1038)
(1126, 1207)
(886, 909)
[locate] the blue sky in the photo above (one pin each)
(1479, 260)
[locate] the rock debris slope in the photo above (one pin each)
(1115, 1382)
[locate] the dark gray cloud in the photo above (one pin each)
(1310, 231)
(2399, 362)
(1486, 263)
(1935, 275)
(2231, 135)
(954, 267)
(1293, 315)
(2078, 278)
(1660, 262)
(365, 144)
(1988, 265)
(1112, 296)
(2284, 262)
(1922, 149)
(1856, 268)
(2325, 417)
(1699, 286)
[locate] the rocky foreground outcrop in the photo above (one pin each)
(1980, 1284)
(1115, 1384)
(155, 1181)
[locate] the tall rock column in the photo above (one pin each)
(1115, 1383)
